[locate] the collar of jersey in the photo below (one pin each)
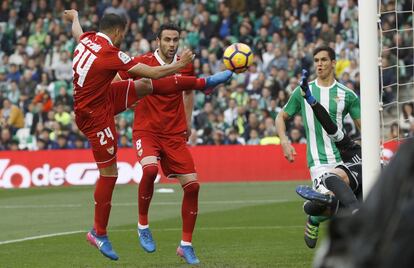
(329, 87)
(105, 36)
(159, 59)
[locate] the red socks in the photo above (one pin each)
(145, 191)
(103, 195)
(189, 209)
(173, 84)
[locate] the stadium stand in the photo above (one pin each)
(36, 50)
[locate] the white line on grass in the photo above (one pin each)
(39, 237)
(229, 228)
(43, 206)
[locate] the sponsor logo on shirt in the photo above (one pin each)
(124, 57)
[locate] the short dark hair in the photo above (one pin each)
(112, 21)
(328, 49)
(168, 26)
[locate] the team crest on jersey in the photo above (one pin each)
(338, 99)
(111, 150)
(140, 152)
(124, 57)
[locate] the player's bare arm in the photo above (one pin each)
(288, 149)
(188, 107)
(72, 16)
(143, 70)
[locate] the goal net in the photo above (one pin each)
(386, 41)
(396, 51)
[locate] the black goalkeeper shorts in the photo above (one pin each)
(354, 172)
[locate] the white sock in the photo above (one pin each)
(143, 226)
(183, 243)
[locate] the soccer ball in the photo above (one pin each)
(238, 57)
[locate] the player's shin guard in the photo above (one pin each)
(189, 209)
(145, 191)
(341, 190)
(103, 195)
(173, 84)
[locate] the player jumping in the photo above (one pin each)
(96, 61)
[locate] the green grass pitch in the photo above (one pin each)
(239, 225)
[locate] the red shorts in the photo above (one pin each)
(175, 158)
(99, 126)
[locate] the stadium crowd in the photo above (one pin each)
(36, 105)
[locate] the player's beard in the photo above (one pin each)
(169, 53)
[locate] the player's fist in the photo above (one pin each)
(186, 57)
(288, 151)
(70, 14)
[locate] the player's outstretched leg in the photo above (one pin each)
(102, 243)
(173, 84)
(188, 254)
(145, 239)
(214, 80)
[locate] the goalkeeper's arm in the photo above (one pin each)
(320, 112)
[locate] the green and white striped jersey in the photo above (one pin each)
(339, 101)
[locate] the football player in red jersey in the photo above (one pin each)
(162, 125)
(96, 61)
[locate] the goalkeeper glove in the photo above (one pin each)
(306, 93)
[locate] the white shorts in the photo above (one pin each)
(316, 172)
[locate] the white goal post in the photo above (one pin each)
(370, 101)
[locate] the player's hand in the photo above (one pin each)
(70, 14)
(186, 57)
(188, 134)
(288, 151)
(306, 93)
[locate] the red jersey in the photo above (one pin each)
(160, 114)
(96, 62)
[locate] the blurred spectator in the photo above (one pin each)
(124, 142)
(63, 67)
(26, 84)
(14, 73)
(395, 132)
(201, 120)
(62, 142)
(194, 140)
(64, 99)
(240, 96)
(61, 116)
(407, 117)
(296, 136)
(270, 137)
(79, 143)
(13, 92)
(254, 137)
(44, 98)
(233, 138)
(5, 139)
(230, 114)
(11, 116)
